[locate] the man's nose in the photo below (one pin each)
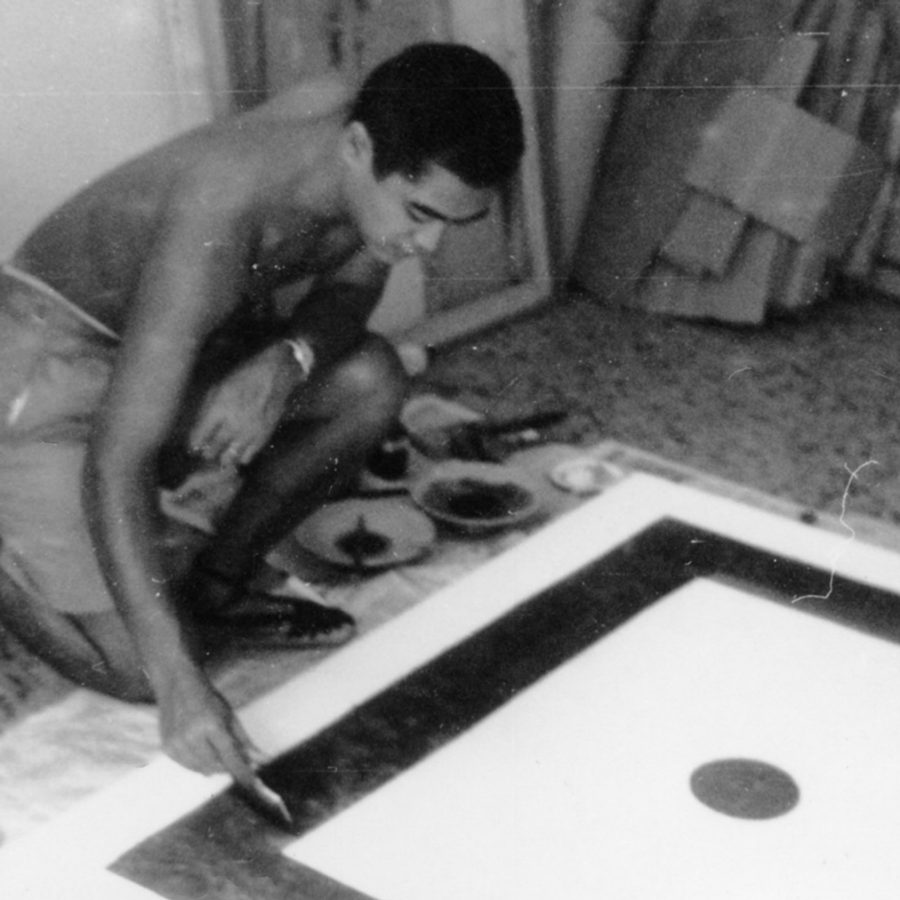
(428, 236)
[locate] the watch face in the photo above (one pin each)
(303, 355)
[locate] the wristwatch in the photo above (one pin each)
(303, 355)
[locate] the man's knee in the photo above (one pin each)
(372, 381)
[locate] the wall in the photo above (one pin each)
(85, 84)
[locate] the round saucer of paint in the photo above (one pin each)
(584, 475)
(476, 496)
(367, 533)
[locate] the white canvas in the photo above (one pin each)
(579, 787)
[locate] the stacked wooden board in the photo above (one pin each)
(752, 163)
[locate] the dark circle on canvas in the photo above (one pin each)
(745, 788)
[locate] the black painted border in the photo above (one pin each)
(226, 850)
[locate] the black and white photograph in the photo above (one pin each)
(449, 448)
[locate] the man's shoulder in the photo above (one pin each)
(296, 124)
(277, 131)
(316, 98)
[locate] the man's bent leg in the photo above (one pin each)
(342, 417)
(92, 650)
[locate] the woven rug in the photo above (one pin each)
(26, 683)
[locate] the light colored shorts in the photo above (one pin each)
(55, 364)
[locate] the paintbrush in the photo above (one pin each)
(266, 801)
(469, 440)
(484, 439)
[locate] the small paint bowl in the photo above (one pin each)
(584, 475)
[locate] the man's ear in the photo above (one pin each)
(357, 145)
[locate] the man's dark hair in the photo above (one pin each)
(443, 104)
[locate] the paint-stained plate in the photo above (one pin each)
(367, 533)
(476, 496)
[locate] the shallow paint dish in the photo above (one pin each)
(398, 533)
(476, 496)
(584, 475)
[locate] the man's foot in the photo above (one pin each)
(244, 616)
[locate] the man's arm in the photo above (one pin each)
(333, 318)
(240, 413)
(191, 280)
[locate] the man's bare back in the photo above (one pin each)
(271, 172)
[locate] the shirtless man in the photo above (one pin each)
(138, 318)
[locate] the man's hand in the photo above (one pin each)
(201, 732)
(239, 414)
